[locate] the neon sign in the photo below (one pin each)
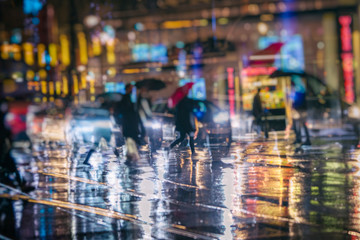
(347, 57)
(257, 71)
(231, 91)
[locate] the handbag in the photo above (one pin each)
(295, 114)
(131, 149)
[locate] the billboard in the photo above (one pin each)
(292, 53)
(198, 91)
(117, 87)
(149, 52)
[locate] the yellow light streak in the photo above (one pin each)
(30, 74)
(16, 49)
(28, 53)
(96, 46)
(5, 49)
(83, 80)
(41, 55)
(65, 85)
(43, 87)
(110, 51)
(76, 84)
(65, 52)
(51, 88)
(82, 48)
(53, 54)
(58, 87)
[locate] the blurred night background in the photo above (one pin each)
(93, 93)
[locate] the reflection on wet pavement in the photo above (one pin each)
(261, 189)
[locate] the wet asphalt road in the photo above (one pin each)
(259, 190)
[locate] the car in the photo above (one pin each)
(161, 126)
(214, 123)
(89, 124)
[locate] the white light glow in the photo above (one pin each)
(221, 117)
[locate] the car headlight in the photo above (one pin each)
(85, 129)
(156, 125)
(153, 124)
(221, 117)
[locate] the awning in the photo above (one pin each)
(266, 56)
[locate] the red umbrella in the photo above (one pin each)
(266, 56)
(179, 94)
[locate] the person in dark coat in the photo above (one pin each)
(185, 122)
(299, 115)
(130, 117)
(7, 162)
(130, 121)
(258, 112)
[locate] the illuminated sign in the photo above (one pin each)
(117, 87)
(75, 84)
(65, 52)
(198, 91)
(28, 53)
(41, 55)
(110, 51)
(44, 87)
(16, 52)
(146, 52)
(65, 85)
(231, 91)
(347, 57)
(5, 50)
(82, 48)
(32, 6)
(96, 46)
(181, 66)
(257, 71)
(51, 88)
(53, 54)
(292, 52)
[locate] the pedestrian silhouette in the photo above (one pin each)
(185, 122)
(299, 114)
(258, 113)
(7, 162)
(130, 117)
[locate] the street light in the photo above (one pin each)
(91, 21)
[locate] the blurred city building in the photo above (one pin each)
(79, 49)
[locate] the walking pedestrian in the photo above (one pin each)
(258, 114)
(185, 123)
(144, 110)
(299, 114)
(7, 162)
(130, 117)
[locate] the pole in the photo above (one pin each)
(73, 20)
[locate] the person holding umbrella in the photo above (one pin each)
(185, 121)
(143, 103)
(299, 111)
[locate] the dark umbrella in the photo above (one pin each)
(314, 84)
(151, 84)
